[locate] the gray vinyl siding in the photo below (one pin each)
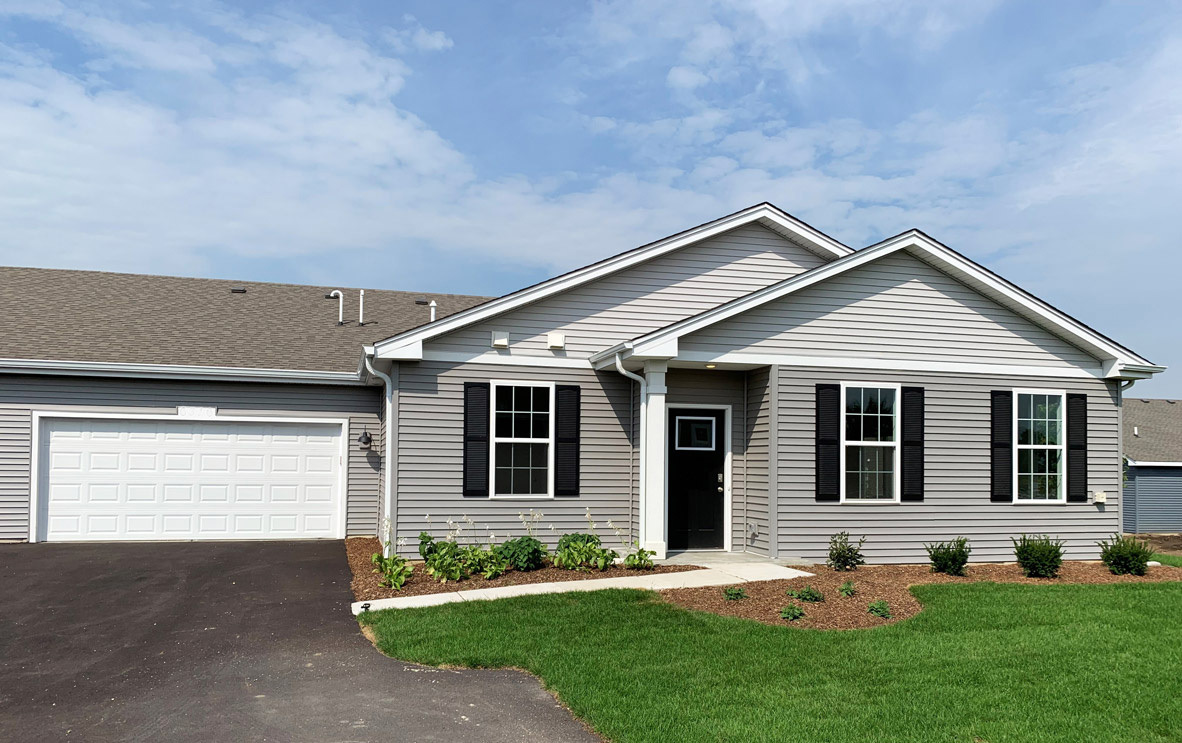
(20, 395)
(643, 298)
(755, 537)
(1153, 500)
(956, 476)
(692, 387)
(430, 456)
(897, 307)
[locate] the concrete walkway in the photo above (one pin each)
(719, 570)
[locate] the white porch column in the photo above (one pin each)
(656, 421)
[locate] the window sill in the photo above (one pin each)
(521, 497)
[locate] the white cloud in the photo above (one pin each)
(685, 78)
(414, 37)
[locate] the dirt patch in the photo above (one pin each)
(890, 583)
(366, 588)
(1167, 544)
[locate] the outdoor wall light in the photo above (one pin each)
(711, 366)
(365, 440)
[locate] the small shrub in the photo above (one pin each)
(426, 545)
(791, 612)
(949, 557)
(880, 608)
(394, 570)
(582, 552)
(844, 556)
(807, 594)
(641, 559)
(447, 562)
(734, 593)
(1125, 555)
(489, 563)
(1039, 556)
(524, 553)
(847, 589)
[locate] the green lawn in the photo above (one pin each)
(1174, 560)
(982, 663)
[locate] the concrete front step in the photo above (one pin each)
(712, 576)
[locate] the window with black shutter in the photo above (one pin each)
(566, 440)
(828, 442)
(476, 411)
(912, 455)
(1001, 446)
(1077, 448)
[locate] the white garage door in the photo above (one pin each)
(105, 479)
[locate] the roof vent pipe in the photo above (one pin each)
(336, 294)
(361, 309)
(432, 306)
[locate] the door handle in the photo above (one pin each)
(720, 489)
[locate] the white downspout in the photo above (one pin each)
(643, 435)
(388, 442)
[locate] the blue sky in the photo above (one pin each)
(477, 147)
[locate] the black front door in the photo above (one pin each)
(697, 481)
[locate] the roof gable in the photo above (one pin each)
(1117, 360)
(409, 345)
(1152, 430)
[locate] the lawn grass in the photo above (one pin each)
(1174, 560)
(982, 663)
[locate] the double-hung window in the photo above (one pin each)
(1039, 440)
(870, 443)
(522, 440)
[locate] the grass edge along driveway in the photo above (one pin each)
(983, 663)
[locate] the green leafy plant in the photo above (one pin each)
(641, 559)
(582, 552)
(807, 594)
(426, 545)
(447, 562)
(489, 563)
(791, 612)
(1038, 556)
(844, 556)
(949, 557)
(847, 589)
(394, 570)
(880, 608)
(524, 553)
(734, 593)
(1125, 555)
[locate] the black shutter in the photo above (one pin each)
(566, 440)
(476, 421)
(1077, 448)
(912, 441)
(828, 442)
(1001, 452)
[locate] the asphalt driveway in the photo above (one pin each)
(227, 641)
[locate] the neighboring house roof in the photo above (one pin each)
(1118, 360)
(409, 345)
(130, 320)
(1153, 430)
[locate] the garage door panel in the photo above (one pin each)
(108, 479)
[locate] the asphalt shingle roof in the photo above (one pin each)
(52, 314)
(1158, 426)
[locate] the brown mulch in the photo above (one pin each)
(874, 582)
(1167, 544)
(366, 588)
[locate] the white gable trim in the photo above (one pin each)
(409, 345)
(1118, 361)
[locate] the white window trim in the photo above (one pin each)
(1062, 448)
(677, 432)
(494, 439)
(897, 485)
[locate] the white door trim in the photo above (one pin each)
(35, 486)
(727, 515)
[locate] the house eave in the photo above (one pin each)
(176, 371)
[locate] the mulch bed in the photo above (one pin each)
(365, 581)
(874, 582)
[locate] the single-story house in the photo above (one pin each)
(749, 384)
(1153, 458)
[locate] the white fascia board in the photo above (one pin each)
(1133, 463)
(915, 241)
(891, 364)
(174, 371)
(402, 346)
